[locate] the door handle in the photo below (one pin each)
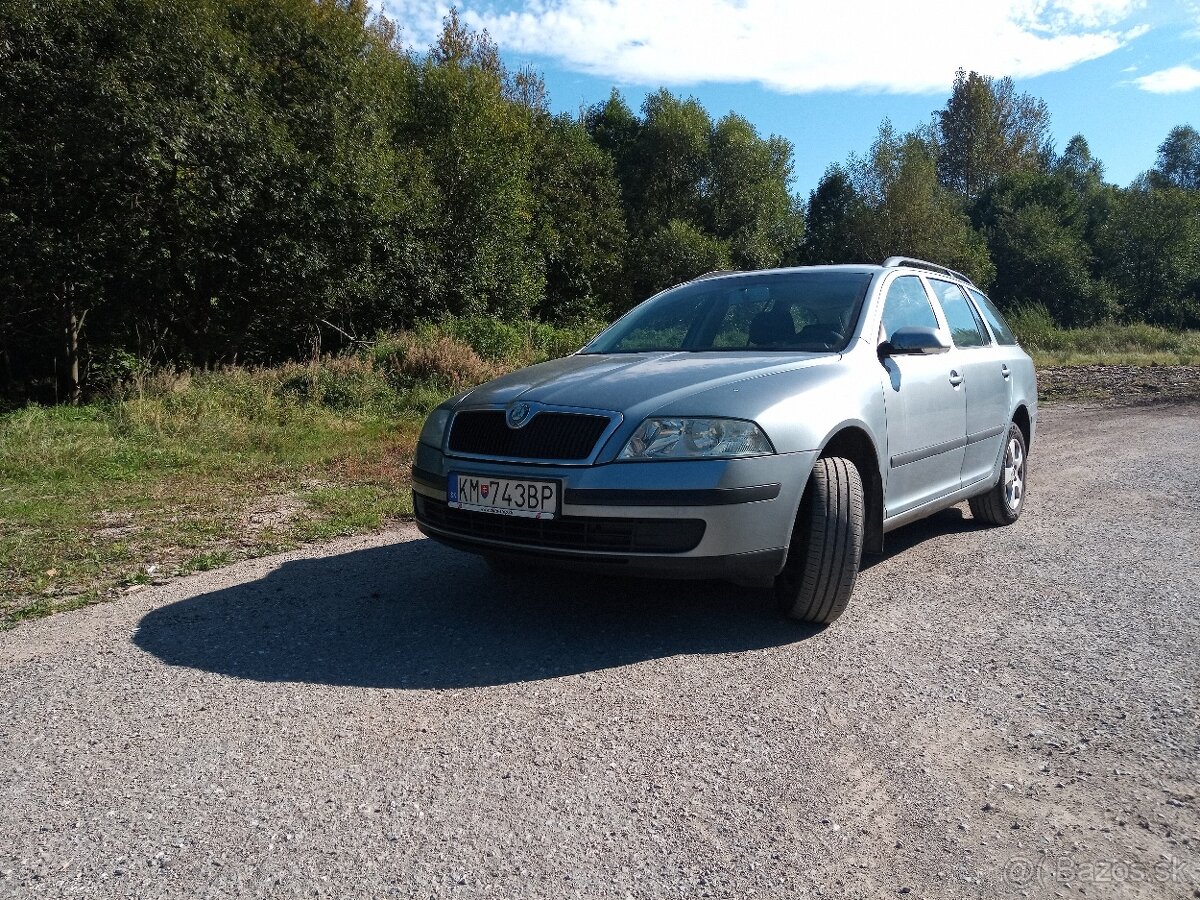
(1005, 371)
(955, 378)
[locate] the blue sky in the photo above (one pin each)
(824, 75)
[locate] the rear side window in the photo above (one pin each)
(965, 325)
(906, 305)
(1000, 328)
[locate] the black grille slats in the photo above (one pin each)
(573, 533)
(548, 435)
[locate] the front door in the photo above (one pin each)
(925, 406)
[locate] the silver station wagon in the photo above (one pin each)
(767, 428)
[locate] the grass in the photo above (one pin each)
(1107, 344)
(185, 472)
(181, 472)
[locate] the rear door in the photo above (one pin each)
(985, 378)
(925, 406)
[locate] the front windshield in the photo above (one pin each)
(813, 311)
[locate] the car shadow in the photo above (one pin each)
(418, 615)
(947, 521)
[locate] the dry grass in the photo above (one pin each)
(438, 359)
(177, 471)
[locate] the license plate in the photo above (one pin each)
(528, 498)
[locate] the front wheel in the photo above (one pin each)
(826, 549)
(1002, 504)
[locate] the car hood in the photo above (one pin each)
(634, 384)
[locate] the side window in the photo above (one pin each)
(906, 305)
(1000, 328)
(965, 326)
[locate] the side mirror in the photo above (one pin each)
(914, 340)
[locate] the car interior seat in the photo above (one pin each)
(773, 326)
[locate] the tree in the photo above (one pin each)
(614, 128)
(202, 181)
(1037, 232)
(750, 205)
(579, 223)
(1179, 159)
(725, 182)
(672, 154)
(479, 144)
(1150, 247)
(678, 252)
(902, 210)
(833, 208)
(1077, 165)
(67, 121)
(986, 130)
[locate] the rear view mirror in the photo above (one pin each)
(914, 340)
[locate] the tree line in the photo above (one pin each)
(205, 182)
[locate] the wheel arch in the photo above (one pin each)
(854, 443)
(1022, 421)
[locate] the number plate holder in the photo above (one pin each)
(528, 498)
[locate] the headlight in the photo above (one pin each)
(434, 430)
(696, 438)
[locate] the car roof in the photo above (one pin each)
(892, 262)
(860, 268)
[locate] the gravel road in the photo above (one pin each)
(999, 713)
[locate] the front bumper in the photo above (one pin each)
(677, 519)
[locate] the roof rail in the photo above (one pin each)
(893, 261)
(717, 273)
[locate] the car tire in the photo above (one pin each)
(826, 549)
(1003, 502)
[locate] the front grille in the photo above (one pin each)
(548, 435)
(570, 533)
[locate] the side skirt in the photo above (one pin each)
(972, 490)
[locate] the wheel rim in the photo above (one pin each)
(1014, 474)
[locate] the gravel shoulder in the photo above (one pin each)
(1120, 384)
(999, 713)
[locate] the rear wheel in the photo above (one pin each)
(1003, 503)
(826, 549)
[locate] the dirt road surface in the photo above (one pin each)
(1000, 713)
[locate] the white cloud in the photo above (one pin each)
(1193, 14)
(1175, 80)
(1089, 13)
(795, 46)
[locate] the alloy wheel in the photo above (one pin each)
(1014, 474)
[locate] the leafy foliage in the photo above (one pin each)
(986, 130)
(1179, 159)
(678, 252)
(698, 196)
(982, 191)
(1037, 227)
(1151, 244)
(202, 182)
(901, 209)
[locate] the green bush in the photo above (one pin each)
(1136, 343)
(491, 339)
